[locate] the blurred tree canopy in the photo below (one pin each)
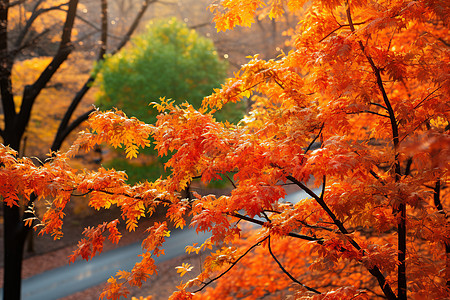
(167, 60)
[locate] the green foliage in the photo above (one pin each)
(137, 172)
(167, 60)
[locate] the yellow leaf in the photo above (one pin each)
(185, 267)
(246, 93)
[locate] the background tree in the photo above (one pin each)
(369, 81)
(27, 31)
(167, 60)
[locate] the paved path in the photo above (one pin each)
(67, 280)
(81, 275)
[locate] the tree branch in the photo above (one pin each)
(12, 4)
(200, 25)
(32, 91)
(314, 140)
(291, 234)
(402, 207)
(287, 273)
(375, 271)
(425, 99)
(324, 184)
(437, 196)
(30, 42)
(61, 136)
(408, 166)
(34, 15)
(9, 111)
(379, 105)
(232, 265)
(340, 26)
(134, 25)
(104, 30)
(229, 179)
(438, 204)
(65, 128)
(369, 112)
(325, 207)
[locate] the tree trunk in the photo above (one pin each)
(14, 239)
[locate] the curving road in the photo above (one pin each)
(81, 275)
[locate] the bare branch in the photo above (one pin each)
(32, 91)
(12, 4)
(64, 129)
(61, 136)
(229, 179)
(324, 184)
(200, 25)
(35, 14)
(134, 25)
(30, 42)
(104, 30)
(6, 59)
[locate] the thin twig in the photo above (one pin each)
(424, 99)
(340, 26)
(379, 105)
(229, 179)
(232, 265)
(314, 140)
(291, 234)
(287, 273)
(368, 112)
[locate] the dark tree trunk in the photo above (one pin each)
(14, 238)
(15, 231)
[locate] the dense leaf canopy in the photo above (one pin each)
(369, 82)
